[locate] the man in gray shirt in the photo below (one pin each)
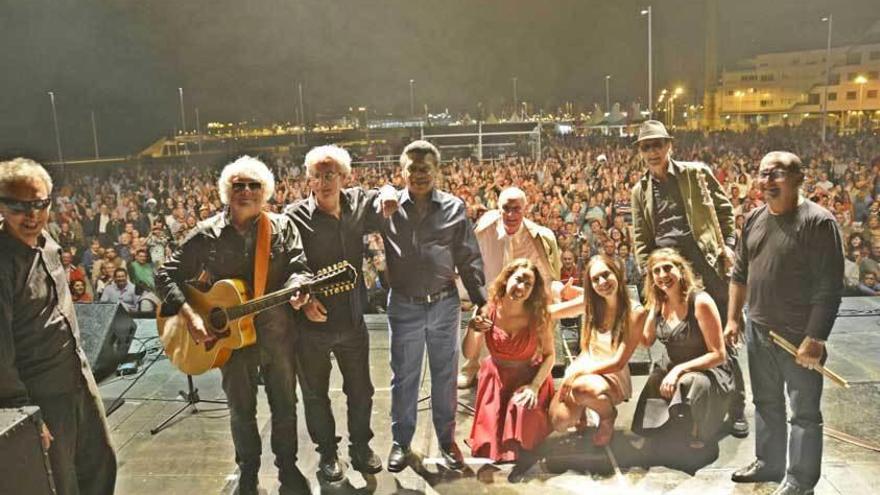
(41, 360)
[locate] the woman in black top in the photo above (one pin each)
(692, 384)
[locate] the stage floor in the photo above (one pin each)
(194, 453)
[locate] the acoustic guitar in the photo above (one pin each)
(229, 315)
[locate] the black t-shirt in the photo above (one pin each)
(793, 267)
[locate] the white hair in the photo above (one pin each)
(330, 152)
(511, 193)
(20, 170)
(418, 146)
(249, 167)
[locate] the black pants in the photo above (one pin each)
(273, 352)
(81, 456)
(351, 347)
(719, 289)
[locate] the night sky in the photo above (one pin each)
(242, 59)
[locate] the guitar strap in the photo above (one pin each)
(261, 257)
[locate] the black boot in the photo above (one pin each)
(293, 482)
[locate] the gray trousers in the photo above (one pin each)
(81, 455)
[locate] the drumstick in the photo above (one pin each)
(791, 349)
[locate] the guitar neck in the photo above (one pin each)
(255, 306)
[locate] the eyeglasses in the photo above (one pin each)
(325, 177)
(241, 186)
(18, 206)
(651, 145)
(773, 173)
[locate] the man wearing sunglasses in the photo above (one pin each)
(41, 358)
(669, 211)
(224, 246)
(789, 267)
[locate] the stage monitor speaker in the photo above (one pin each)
(23, 466)
(107, 331)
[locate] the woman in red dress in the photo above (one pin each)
(514, 386)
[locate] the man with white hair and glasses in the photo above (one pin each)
(42, 362)
(225, 246)
(332, 222)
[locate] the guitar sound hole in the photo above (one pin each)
(218, 319)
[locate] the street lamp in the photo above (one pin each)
(182, 114)
(57, 134)
(861, 81)
(647, 12)
(515, 99)
(608, 93)
(412, 98)
(829, 20)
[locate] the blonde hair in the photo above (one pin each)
(689, 283)
(251, 168)
(20, 170)
(328, 152)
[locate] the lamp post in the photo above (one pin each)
(608, 93)
(515, 99)
(57, 134)
(647, 12)
(829, 20)
(412, 98)
(95, 135)
(861, 81)
(182, 113)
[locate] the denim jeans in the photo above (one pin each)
(773, 373)
(413, 326)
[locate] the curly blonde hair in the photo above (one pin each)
(690, 283)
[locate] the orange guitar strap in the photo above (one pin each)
(261, 257)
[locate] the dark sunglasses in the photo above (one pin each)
(241, 186)
(26, 206)
(651, 145)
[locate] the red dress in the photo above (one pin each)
(500, 427)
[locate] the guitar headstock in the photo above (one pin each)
(334, 279)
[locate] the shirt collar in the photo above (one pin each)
(405, 197)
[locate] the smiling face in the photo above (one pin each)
(26, 223)
(520, 284)
(655, 153)
(512, 215)
(779, 181)
(326, 181)
(666, 274)
(246, 199)
(602, 279)
(419, 175)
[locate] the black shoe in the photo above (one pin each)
(364, 460)
(739, 427)
(756, 472)
(523, 464)
(293, 482)
(398, 459)
(789, 489)
(329, 467)
(452, 456)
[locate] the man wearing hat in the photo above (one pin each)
(668, 211)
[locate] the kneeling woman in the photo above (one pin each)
(599, 378)
(515, 386)
(693, 383)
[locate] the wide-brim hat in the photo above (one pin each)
(652, 129)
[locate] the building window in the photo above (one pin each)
(813, 99)
(850, 95)
(874, 55)
(834, 80)
(766, 103)
(872, 93)
(749, 77)
(730, 92)
(832, 96)
(767, 77)
(852, 76)
(853, 58)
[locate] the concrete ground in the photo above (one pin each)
(194, 453)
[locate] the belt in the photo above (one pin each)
(443, 294)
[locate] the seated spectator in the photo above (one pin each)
(79, 293)
(869, 285)
(121, 291)
(852, 273)
(111, 259)
(93, 253)
(690, 389)
(141, 271)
